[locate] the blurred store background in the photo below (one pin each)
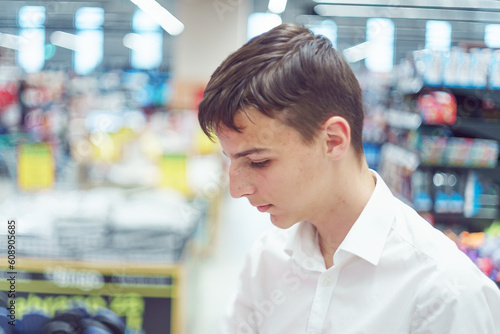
(121, 204)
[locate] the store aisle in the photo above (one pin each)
(217, 275)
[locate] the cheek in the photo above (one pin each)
(308, 175)
(302, 181)
(272, 182)
(287, 182)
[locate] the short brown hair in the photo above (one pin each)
(287, 73)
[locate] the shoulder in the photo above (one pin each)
(446, 266)
(452, 287)
(426, 240)
(457, 299)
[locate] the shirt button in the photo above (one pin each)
(327, 281)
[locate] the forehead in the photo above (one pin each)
(257, 130)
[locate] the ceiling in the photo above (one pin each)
(467, 17)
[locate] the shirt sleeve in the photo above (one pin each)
(458, 302)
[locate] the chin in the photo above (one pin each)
(282, 222)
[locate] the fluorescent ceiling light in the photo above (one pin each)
(64, 40)
(438, 35)
(89, 18)
(277, 6)
(132, 41)
(135, 41)
(259, 23)
(380, 33)
(357, 52)
(407, 13)
(464, 4)
(31, 16)
(11, 41)
(162, 16)
(492, 35)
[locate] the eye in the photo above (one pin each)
(259, 164)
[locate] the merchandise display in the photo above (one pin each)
(473, 68)
(103, 223)
(458, 152)
(443, 145)
(97, 170)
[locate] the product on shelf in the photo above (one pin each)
(479, 67)
(438, 107)
(448, 195)
(432, 61)
(494, 78)
(432, 150)
(454, 151)
(481, 197)
(483, 249)
(475, 68)
(421, 191)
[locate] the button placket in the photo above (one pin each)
(327, 281)
(323, 296)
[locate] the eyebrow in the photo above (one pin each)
(248, 152)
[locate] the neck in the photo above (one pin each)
(342, 210)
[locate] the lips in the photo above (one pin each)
(263, 208)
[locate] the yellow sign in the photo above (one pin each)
(203, 144)
(35, 166)
(174, 172)
(108, 147)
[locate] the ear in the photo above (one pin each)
(337, 137)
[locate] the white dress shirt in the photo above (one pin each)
(393, 274)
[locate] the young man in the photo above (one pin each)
(348, 257)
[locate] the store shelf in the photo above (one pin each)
(482, 128)
(479, 93)
(473, 224)
(492, 173)
(468, 127)
(472, 122)
(472, 126)
(410, 160)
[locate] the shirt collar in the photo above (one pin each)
(367, 236)
(365, 239)
(303, 246)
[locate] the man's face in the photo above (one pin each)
(273, 168)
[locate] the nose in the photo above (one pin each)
(240, 184)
